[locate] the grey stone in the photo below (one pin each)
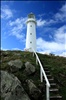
(11, 88)
(17, 54)
(15, 65)
(5, 53)
(30, 69)
(33, 90)
(0, 61)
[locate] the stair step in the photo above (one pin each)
(46, 69)
(57, 97)
(53, 85)
(53, 90)
(48, 75)
(51, 80)
(47, 72)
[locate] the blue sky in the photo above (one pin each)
(50, 29)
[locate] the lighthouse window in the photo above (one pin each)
(30, 42)
(30, 25)
(30, 33)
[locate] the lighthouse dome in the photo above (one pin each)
(31, 18)
(31, 15)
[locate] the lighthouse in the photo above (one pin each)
(31, 33)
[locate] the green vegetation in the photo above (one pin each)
(56, 65)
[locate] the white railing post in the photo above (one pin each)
(33, 54)
(47, 92)
(36, 61)
(41, 75)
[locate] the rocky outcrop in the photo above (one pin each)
(29, 68)
(11, 88)
(17, 54)
(15, 65)
(5, 53)
(33, 90)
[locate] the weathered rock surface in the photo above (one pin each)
(15, 65)
(30, 69)
(11, 88)
(5, 54)
(33, 90)
(17, 54)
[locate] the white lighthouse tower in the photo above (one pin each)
(31, 32)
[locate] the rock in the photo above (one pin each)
(30, 69)
(33, 90)
(15, 65)
(42, 87)
(17, 54)
(5, 54)
(11, 88)
(0, 61)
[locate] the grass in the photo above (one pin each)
(56, 65)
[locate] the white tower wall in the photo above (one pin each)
(31, 34)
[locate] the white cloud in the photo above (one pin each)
(63, 9)
(40, 22)
(63, 54)
(51, 46)
(18, 21)
(17, 27)
(46, 22)
(6, 12)
(60, 34)
(51, 21)
(40, 15)
(61, 15)
(57, 46)
(5, 49)
(16, 49)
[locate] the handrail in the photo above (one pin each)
(42, 73)
(42, 68)
(45, 76)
